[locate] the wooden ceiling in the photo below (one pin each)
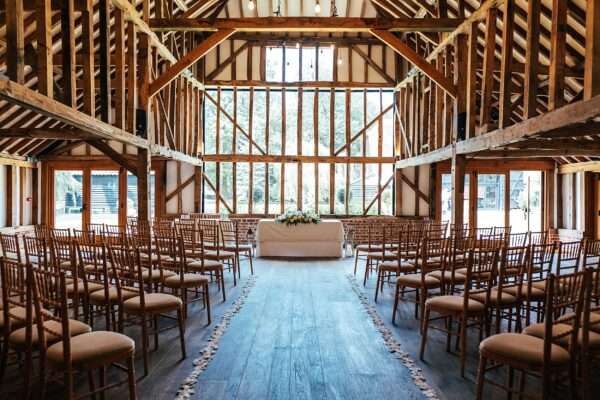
(13, 116)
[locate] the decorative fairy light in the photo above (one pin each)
(317, 8)
(251, 5)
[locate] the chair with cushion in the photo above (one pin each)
(213, 249)
(140, 305)
(463, 309)
(93, 269)
(569, 256)
(36, 251)
(397, 263)
(545, 353)
(518, 239)
(366, 246)
(67, 346)
(232, 241)
(533, 292)
(452, 274)
(11, 249)
(193, 257)
(429, 258)
(540, 237)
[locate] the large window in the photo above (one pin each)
(327, 150)
(293, 64)
(105, 197)
(68, 199)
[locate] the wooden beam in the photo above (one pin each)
(556, 80)
(458, 189)
(591, 166)
(591, 82)
(143, 187)
(114, 155)
(227, 62)
(67, 31)
(298, 84)
(505, 67)
(190, 58)
(17, 161)
(43, 14)
(307, 24)
(45, 133)
(530, 83)
(104, 23)
(272, 158)
(419, 62)
(15, 41)
(180, 188)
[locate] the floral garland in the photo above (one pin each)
(392, 344)
(187, 388)
(298, 217)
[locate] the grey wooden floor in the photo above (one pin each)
(302, 334)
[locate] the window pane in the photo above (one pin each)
(105, 197)
(308, 186)
(292, 64)
(273, 64)
(226, 189)
(258, 189)
(326, 63)
(210, 198)
(68, 199)
(242, 189)
(340, 120)
(387, 197)
(340, 189)
(355, 201)
(291, 183)
(323, 188)
(275, 122)
(357, 120)
(490, 200)
(210, 124)
(371, 187)
(226, 139)
(525, 201)
(446, 195)
(274, 188)
(308, 64)
(243, 102)
(308, 138)
(259, 118)
(291, 122)
(132, 200)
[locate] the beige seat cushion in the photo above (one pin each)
(536, 294)
(506, 298)
(99, 297)
(414, 280)
(539, 284)
(155, 303)
(392, 266)
(537, 330)
(92, 287)
(18, 316)
(94, 349)
(18, 337)
(594, 320)
(66, 264)
(209, 265)
(447, 276)
(240, 247)
(523, 349)
(454, 304)
(189, 280)
(222, 254)
(153, 275)
(366, 247)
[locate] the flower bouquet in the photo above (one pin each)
(298, 217)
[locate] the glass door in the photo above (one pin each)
(446, 196)
(132, 200)
(526, 201)
(105, 197)
(490, 200)
(68, 199)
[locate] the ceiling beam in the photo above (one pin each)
(45, 133)
(307, 24)
(188, 60)
(414, 58)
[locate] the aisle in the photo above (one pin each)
(303, 334)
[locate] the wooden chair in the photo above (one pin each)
(392, 268)
(542, 353)
(95, 280)
(171, 257)
(231, 241)
(429, 258)
(538, 237)
(66, 348)
(144, 306)
(41, 232)
(453, 274)
(36, 251)
(362, 249)
(193, 257)
(213, 247)
(518, 239)
(463, 308)
(11, 248)
(569, 257)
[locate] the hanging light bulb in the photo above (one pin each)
(297, 45)
(340, 61)
(251, 5)
(332, 47)
(317, 8)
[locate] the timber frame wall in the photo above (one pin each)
(91, 79)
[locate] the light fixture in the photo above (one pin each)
(340, 61)
(317, 8)
(332, 47)
(334, 11)
(251, 5)
(297, 45)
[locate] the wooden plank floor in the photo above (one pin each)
(301, 334)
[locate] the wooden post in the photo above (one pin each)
(398, 193)
(556, 79)
(591, 82)
(460, 81)
(15, 41)
(506, 63)
(43, 14)
(531, 60)
(549, 203)
(143, 188)
(458, 188)
(35, 172)
(471, 80)
(11, 217)
(67, 31)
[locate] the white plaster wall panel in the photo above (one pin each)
(187, 194)
(358, 68)
(27, 197)
(210, 61)
(390, 63)
(377, 57)
(171, 185)
(255, 63)
(224, 50)
(424, 172)
(408, 195)
(343, 55)
(79, 150)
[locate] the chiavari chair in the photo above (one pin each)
(64, 258)
(478, 233)
(94, 275)
(502, 230)
(453, 273)
(378, 248)
(394, 266)
(84, 236)
(36, 251)
(145, 306)
(171, 257)
(41, 232)
(98, 229)
(193, 256)
(568, 256)
(16, 309)
(546, 349)
(362, 249)
(232, 242)
(66, 347)
(518, 239)
(213, 248)
(463, 309)
(60, 233)
(430, 258)
(11, 248)
(538, 237)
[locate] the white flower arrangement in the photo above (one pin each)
(298, 217)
